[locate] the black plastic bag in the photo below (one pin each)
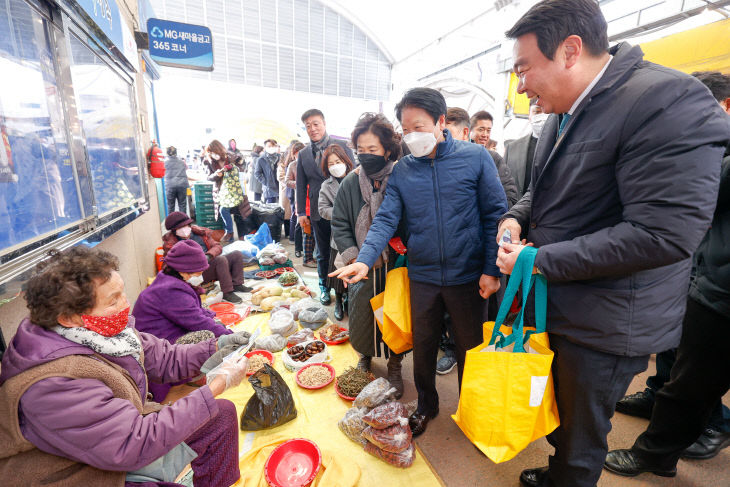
(270, 213)
(272, 404)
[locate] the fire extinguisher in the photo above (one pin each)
(156, 160)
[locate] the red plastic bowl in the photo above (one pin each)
(327, 366)
(220, 308)
(229, 319)
(294, 463)
(337, 342)
(348, 398)
(265, 353)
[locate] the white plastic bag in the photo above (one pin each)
(293, 365)
(282, 323)
(272, 343)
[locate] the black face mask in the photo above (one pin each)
(371, 163)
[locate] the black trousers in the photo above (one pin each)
(179, 194)
(587, 385)
(699, 378)
(720, 417)
(428, 305)
(322, 234)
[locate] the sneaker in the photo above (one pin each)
(240, 288)
(445, 364)
(310, 263)
(297, 253)
(232, 297)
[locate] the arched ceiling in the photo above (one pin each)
(402, 28)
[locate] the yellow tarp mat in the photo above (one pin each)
(317, 415)
(705, 48)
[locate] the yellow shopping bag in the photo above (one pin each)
(507, 397)
(392, 309)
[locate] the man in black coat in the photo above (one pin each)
(700, 375)
(716, 434)
(519, 153)
(620, 197)
(309, 173)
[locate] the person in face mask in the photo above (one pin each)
(335, 166)
(358, 200)
(519, 153)
(77, 373)
(265, 171)
(228, 195)
(226, 269)
(450, 199)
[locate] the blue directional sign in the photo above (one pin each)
(105, 14)
(180, 45)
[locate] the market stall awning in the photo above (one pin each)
(705, 48)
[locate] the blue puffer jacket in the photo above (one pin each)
(451, 205)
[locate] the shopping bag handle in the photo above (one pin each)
(522, 276)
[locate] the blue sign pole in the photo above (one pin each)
(180, 45)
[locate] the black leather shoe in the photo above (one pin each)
(418, 422)
(626, 463)
(639, 404)
(325, 298)
(707, 445)
(240, 288)
(533, 476)
(232, 297)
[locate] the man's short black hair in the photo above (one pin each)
(718, 83)
(270, 141)
(479, 116)
(312, 112)
(552, 21)
(425, 98)
(457, 116)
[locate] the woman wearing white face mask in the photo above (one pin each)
(170, 307)
(335, 166)
(227, 192)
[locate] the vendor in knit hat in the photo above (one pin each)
(170, 308)
(226, 269)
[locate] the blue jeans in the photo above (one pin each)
(227, 219)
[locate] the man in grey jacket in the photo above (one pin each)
(309, 180)
(176, 181)
(621, 195)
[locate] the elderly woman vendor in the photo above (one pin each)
(170, 307)
(73, 389)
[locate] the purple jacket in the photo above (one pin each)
(170, 308)
(80, 419)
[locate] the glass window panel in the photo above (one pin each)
(105, 111)
(37, 184)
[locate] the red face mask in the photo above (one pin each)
(107, 326)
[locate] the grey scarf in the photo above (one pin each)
(373, 200)
(319, 147)
(121, 345)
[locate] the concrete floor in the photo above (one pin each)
(459, 464)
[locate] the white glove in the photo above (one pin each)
(232, 368)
